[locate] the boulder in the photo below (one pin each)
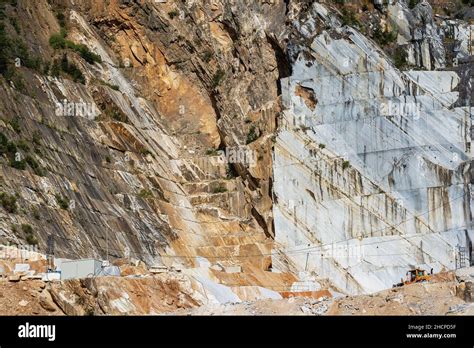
(14, 278)
(21, 268)
(46, 301)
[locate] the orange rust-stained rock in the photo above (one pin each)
(307, 95)
(442, 277)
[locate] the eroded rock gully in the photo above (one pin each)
(353, 136)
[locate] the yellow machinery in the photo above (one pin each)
(416, 275)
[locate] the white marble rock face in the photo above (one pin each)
(370, 167)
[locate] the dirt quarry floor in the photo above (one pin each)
(172, 294)
(24, 299)
(416, 299)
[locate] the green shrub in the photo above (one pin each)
(345, 164)
(20, 165)
(11, 149)
(349, 18)
(27, 229)
(146, 152)
(46, 67)
(217, 78)
(207, 56)
(252, 135)
(18, 49)
(14, 23)
(89, 56)
(15, 124)
(36, 214)
(59, 41)
(144, 193)
(384, 38)
(30, 239)
(63, 202)
(413, 3)
(72, 70)
(4, 50)
(28, 232)
(116, 114)
(36, 139)
(212, 152)
(8, 202)
(230, 172)
(12, 48)
(55, 69)
(114, 87)
(37, 169)
(61, 19)
(173, 14)
(18, 82)
(23, 145)
(400, 58)
(3, 143)
(219, 189)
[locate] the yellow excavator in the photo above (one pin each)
(416, 275)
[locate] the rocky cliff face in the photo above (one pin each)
(161, 149)
(244, 134)
(379, 156)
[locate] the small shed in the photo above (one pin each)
(83, 268)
